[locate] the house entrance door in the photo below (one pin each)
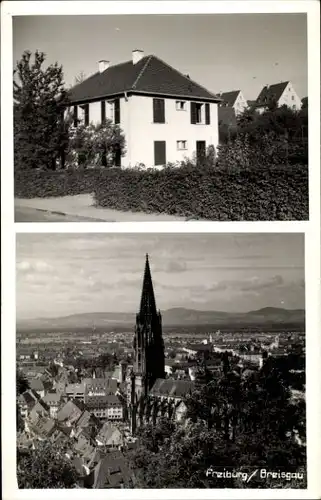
(200, 152)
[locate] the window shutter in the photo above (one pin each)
(75, 116)
(103, 111)
(207, 114)
(86, 110)
(117, 111)
(159, 110)
(159, 153)
(193, 113)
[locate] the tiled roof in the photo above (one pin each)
(110, 433)
(270, 93)
(52, 397)
(36, 384)
(111, 472)
(229, 98)
(171, 388)
(102, 401)
(150, 75)
(72, 409)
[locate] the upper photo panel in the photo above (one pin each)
(160, 118)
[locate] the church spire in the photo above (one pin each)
(147, 302)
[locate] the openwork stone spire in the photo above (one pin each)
(147, 302)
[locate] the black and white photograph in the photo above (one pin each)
(160, 258)
(161, 117)
(160, 361)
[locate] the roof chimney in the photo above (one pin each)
(137, 55)
(103, 65)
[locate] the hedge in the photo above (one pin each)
(274, 193)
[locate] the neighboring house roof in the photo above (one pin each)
(36, 384)
(226, 116)
(271, 93)
(96, 456)
(109, 434)
(111, 472)
(43, 426)
(102, 401)
(71, 410)
(75, 388)
(86, 419)
(171, 388)
(304, 101)
(52, 398)
(150, 75)
(39, 408)
(229, 98)
(107, 385)
(28, 398)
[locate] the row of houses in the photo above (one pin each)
(165, 116)
(282, 94)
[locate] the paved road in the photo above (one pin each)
(33, 215)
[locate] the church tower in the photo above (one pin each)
(149, 362)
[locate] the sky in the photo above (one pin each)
(222, 52)
(62, 274)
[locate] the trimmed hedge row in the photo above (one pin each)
(275, 193)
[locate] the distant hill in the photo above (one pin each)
(171, 317)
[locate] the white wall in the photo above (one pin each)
(240, 104)
(290, 98)
(177, 126)
(136, 121)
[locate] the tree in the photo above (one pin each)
(45, 467)
(22, 383)
(96, 144)
(40, 131)
(80, 78)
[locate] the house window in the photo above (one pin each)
(159, 152)
(292, 97)
(197, 112)
(111, 110)
(103, 111)
(207, 114)
(181, 145)
(75, 116)
(159, 110)
(181, 105)
(85, 112)
(117, 111)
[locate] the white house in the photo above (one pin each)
(234, 99)
(281, 93)
(164, 115)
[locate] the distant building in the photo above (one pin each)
(235, 100)
(149, 349)
(106, 407)
(279, 94)
(53, 400)
(38, 386)
(110, 436)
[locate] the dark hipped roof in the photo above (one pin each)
(229, 98)
(270, 93)
(150, 75)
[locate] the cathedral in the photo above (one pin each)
(149, 394)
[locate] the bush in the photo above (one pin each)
(255, 193)
(95, 145)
